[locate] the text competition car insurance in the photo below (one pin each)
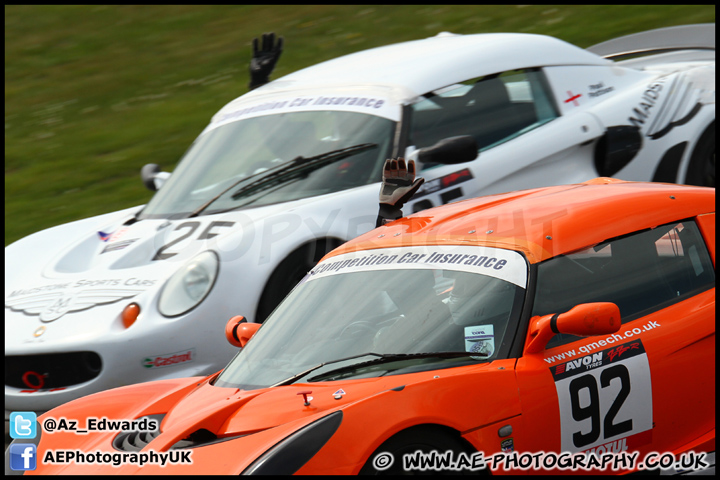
(566, 329)
(290, 170)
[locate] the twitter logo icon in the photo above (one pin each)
(23, 425)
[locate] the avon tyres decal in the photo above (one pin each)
(605, 399)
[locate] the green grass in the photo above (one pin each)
(92, 93)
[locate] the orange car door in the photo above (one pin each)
(579, 397)
(649, 387)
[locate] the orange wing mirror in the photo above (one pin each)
(238, 331)
(584, 320)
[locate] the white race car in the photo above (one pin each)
(290, 170)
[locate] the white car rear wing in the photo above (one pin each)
(683, 37)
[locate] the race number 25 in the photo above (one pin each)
(604, 396)
(188, 229)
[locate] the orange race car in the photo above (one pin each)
(562, 329)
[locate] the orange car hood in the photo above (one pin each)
(248, 423)
(230, 412)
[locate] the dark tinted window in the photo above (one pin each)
(493, 109)
(640, 273)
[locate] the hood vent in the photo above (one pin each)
(201, 438)
(196, 439)
(134, 441)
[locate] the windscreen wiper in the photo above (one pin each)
(292, 379)
(294, 168)
(299, 166)
(385, 358)
(382, 358)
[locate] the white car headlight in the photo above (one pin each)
(189, 285)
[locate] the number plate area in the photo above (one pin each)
(605, 400)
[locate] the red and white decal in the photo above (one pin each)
(169, 359)
(573, 98)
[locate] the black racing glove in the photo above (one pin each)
(398, 186)
(263, 60)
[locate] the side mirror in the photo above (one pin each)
(450, 151)
(616, 148)
(152, 177)
(584, 320)
(239, 332)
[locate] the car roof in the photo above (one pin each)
(544, 222)
(428, 64)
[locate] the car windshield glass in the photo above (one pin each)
(245, 148)
(364, 307)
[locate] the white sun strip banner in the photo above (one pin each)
(361, 102)
(503, 264)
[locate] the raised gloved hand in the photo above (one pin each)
(398, 186)
(398, 182)
(264, 59)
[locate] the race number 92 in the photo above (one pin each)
(604, 396)
(592, 410)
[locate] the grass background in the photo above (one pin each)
(93, 93)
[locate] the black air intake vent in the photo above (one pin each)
(134, 441)
(51, 370)
(196, 439)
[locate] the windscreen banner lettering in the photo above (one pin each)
(502, 264)
(345, 102)
(435, 257)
